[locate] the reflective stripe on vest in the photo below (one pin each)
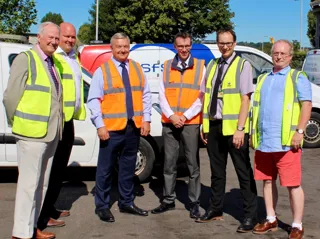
(182, 90)
(290, 113)
(231, 96)
(69, 91)
(113, 105)
(33, 111)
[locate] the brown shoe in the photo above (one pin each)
(44, 235)
(55, 223)
(63, 213)
(296, 233)
(265, 226)
(19, 238)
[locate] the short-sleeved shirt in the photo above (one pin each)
(271, 108)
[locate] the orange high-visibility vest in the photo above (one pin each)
(182, 90)
(113, 105)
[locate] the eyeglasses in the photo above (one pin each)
(181, 47)
(281, 54)
(228, 44)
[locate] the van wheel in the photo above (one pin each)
(312, 133)
(145, 160)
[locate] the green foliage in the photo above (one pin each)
(296, 45)
(297, 59)
(53, 17)
(147, 21)
(312, 28)
(84, 34)
(16, 16)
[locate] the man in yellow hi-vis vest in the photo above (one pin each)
(225, 128)
(73, 108)
(33, 102)
(281, 110)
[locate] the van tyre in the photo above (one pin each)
(312, 132)
(145, 160)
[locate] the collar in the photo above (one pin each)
(72, 54)
(118, 63)
(176, 60)
(284, 71)
(42, 54)
(229, 59)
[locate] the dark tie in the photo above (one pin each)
(126, 82)
(183, 65)
(54, 78)
(214, 97)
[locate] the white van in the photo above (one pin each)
(311, 66)
(151, 56)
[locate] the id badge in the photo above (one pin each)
(220, 94)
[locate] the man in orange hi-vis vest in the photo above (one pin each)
(181, 104)
(120, 104)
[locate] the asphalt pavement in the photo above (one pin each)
(78, 196)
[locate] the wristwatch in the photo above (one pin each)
(300, 131)
(240, 128)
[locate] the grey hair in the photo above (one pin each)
(44, 25)
(119, 35)
(291, 50)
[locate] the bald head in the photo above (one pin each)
(68, 37)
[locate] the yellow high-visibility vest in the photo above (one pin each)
(69, 91)
(290, 113)
(231, 97)
(33, 111)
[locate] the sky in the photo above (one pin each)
(255, 20)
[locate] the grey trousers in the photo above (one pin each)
(189, 136)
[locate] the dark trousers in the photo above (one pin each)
(122, 145)
(218, 148)
(189, 136)
(59, 166)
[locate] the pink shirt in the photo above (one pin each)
(44, 57)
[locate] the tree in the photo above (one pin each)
(312, 28)
(84, 33)
(159, 20)
(52, 17)
(16, 16)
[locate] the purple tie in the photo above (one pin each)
(50, 65)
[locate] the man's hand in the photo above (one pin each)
(204, 137)
(145, 128)
(103, 133)
(183, 119)
(296, 140)
(238, 139)
(176, 121)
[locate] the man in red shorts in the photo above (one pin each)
(281, 109)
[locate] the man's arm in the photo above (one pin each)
(147, 107)
(16, 85)
(246, 89)
(305, 98)
(196, 107)
(95, 97)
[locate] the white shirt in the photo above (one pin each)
(76, 68)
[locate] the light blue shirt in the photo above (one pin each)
(271, 108)
(96, 96)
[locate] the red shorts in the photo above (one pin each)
(287, 164)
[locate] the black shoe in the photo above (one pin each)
(105, 215)
(194, 211)
(163, 207)
(210, 215)
(133, 209)
(247, 225)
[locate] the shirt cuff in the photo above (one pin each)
(146, 117)
(98, 122)
(187, 115)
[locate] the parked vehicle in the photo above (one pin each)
(151, 57)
